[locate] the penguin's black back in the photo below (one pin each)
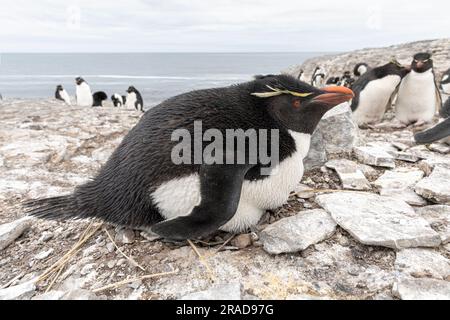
(120, 193)
(444, 112)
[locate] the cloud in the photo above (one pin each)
(220, 25)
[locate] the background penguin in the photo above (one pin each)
(140, 186)
(117, 100)
(61, 94)
(301, 75)
(418, 95)
(134, 99)
(445, 82)
(318, 80)
(333, 81)
(360, 69)
(374, 91)
(99, 97)
(346, 80)
(83, 93)
(440, 131)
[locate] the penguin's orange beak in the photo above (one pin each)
(334, 95)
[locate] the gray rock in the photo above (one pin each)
(51, 295)
(46, 236)
(336, 133)
(150, 236)
(348, 171)
(379, 220)
(125, 236)
(439, 147)
(317, 154)
(404, 156)
(20, 291)
(229, 291)
(242, 241)
(422, 263)
(438, 216)
(298, 232)
(436, 187)
(400, 184)
(374, 156)
(11, 231)
(80, 294)
(422, 289)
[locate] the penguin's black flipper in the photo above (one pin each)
(220, 187)
(438, 132)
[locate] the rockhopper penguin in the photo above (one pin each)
(134, 99)
(99, 97)
(418, 95)
(83, 93)
(61, 94)
(374, 91)
(141, 187)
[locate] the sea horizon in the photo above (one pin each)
(157, 75)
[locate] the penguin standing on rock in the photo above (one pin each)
(445, 82)
(99, 97)
(144, 186)
(374, 91)
(440, 131)
(418, 95)
(61, 94)
(83, 93)
(134, 99)
(360, 69)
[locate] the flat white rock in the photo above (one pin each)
(298, 232)
(438, 216)
(374, 156)
(379, 220)
(422, 289)
(436, 187)
(422, 263)
(349, 173)
(11, 231)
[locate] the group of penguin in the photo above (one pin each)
(85, 98)
(411, 89)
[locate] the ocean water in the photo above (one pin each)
(157, 76)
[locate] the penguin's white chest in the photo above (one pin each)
(416, 99)
(65, 96)
(179, 196)
(374, 98)
(131, 100)
(84, 95)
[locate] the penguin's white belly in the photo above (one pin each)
(65, 97)
(131, 100)
(374, 98)
(179, 196)
(416, 98)
(84, 95)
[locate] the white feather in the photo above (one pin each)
(131, 99)
(84, 95)
(65, 96)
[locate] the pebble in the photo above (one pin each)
(242, 241)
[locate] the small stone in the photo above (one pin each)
(421, 289)
(436, 187)
(43, 254)
(439, 147)
(229, 291)
(438, 216)
(242, 241)
(374, 157)
(298, 232)
(135, 284)
(404, 156)
(46, 236)
(80, 294)
(125, 236)
(399, 184)
(400, 146)
(379, 220)
(87, 269)
(150, 236)
(110, 247)
(111, 264)
(11, 231)
(349, 174)
(51, 295)
(303, 191)
(422, 262)
(121, 262)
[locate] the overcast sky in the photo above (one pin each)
(216, 25)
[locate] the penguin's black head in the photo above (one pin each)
(422, 62)
(394, 67)
(59, 87)
(297, 105)
(79, 80)
(131, 89)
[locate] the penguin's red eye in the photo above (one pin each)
(296, 104)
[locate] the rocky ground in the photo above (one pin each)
(369, 220)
